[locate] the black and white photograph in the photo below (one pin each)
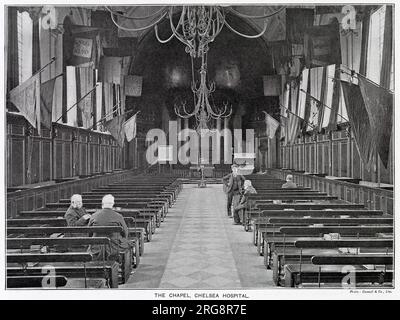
(199, 150)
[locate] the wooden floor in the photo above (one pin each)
(199, 247)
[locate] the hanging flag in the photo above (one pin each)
(271, 125)
(284, 126)
(272, 85)
(46, 102)
(359, 122)
(112, 68)
(115, 127)
(379, 105)
(85, 86)
(82, 45)
(322, 46)
(293, 128)
(130, 128)
(26, 97)
(336, 95)
(133, 86)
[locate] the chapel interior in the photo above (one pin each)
(107, 108)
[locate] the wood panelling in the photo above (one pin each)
(372, 198)
(68, 152)
(334, 154)
(35, 198)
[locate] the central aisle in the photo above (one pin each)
(199, 247)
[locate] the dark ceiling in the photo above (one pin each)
(235, 63)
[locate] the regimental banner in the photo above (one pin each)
(26, 97)
(83, 48)
(82, 45)
(359, 121)
(379, 105)
(271, 125)
(322, 46)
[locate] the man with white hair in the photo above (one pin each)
(76, 214)
(289, 183)
(108, 217)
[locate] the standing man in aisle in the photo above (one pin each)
(233, 186)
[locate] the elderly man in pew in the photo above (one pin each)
(245, 203)
(108, 217)
(76, 215)
(289, 183)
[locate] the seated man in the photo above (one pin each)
(108, 217)
(244, 203)
(289, 183)
(76, 214)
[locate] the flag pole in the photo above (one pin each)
(310, 124)
(45, 66)
(323, 104)
(108, 114)
(77, 102)
(353, 72)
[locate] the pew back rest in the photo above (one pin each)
(65, 230)
(19, 243)
(342, 230)
(336, 221)
(49, 257)
(343, 259)
(345, 243)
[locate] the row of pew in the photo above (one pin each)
(311, 239)
(42, 251)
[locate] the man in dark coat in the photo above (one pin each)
(245, 203)
(76, 215)
(108, 217)
(233, 184)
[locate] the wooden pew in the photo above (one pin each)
(260, 218)
(329, 269)
(69, 265)
(135, 233)
(22, 281)
(126, 257)
(281, 255)
(268, 244)
(141, 223)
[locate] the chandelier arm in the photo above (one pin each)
(161, 40)
(172, 35)
(255, 17)
(136, 18)
(245, 35)
(138, 29)
(175, 31)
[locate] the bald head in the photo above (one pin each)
(76, 201)
(107, 201)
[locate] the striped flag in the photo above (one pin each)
(293, 128)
